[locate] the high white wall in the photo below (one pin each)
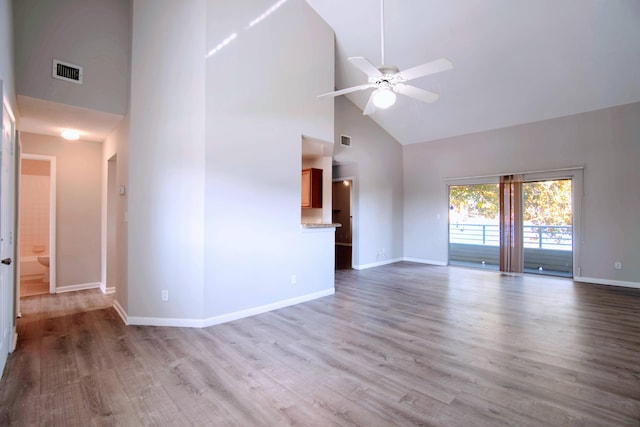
(375, 161)
(215, 157)
(261, 96)
(94, 34)
(605, 142)
(78, 217)
(166, 160)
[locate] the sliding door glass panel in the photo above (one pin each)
(548, 227)
(474, 225)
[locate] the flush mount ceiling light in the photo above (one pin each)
(70, 134)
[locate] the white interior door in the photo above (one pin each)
(7, 253)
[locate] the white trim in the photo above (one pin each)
(464, 178)
(79, 287)
(106, 160)
(108, 289)
(14, 341)
(377, 263)
(52, 214)
(266, 308)
(426, 261)
(121, 312)
(608, 282)
(216, 320)
(165, 321)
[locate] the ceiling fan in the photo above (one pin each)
(389, 80)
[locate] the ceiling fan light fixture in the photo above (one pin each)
(384, 98)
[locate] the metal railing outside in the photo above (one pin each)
(534, 236)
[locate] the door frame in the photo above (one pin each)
(111, 206)
(52, 215)
(352, 208)
(7, 206)
(575, 174)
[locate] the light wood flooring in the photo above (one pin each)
(31, 287)
(403, 344)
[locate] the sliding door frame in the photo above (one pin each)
(575, 174)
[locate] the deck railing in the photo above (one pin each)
(534, 236)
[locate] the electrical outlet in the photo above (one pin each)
(617, 265)
(294, 279)
(165, 295)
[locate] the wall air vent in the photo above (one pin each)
(67, 72)
(345, 141)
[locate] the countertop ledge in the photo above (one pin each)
(314, 225)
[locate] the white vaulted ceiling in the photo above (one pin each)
(514, 61)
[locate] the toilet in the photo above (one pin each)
(44, 260)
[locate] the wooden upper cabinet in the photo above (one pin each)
(311, 188)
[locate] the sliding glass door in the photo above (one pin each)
(521, 224)
(474, 225)
(548, 227)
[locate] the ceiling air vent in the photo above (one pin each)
(67, 72)
(345, 141)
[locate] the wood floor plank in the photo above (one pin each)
(402, 344)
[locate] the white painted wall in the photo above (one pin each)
(166, 159)
(261, 98)
(605, 142)
(7, 76)
(6, 52)
(78, 216)
(94, 34)
(375, 161)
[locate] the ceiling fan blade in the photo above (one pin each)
(364, 65)
(432, 67)
(348, 90)
(369, 108)
(416, 93)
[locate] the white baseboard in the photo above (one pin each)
(108, 290)
(14, 340)
(216, 320)
(425, 261)
(165, 321)
(80, 287)
(123, 314)
(377, 264)
(607, 282)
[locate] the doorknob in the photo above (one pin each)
(7, 261)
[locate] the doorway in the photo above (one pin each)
(113, 195)
(37, 223)
(342, 214)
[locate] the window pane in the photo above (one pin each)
(548, 227)
(474, 227)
